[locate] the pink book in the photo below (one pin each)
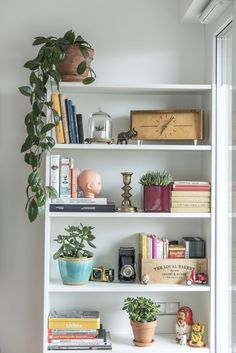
(154, 246)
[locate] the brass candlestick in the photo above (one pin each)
(126, 204)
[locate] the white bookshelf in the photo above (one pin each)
(112, 230)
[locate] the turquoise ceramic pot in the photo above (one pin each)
(75, 271)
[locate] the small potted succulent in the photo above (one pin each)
(143, 314)
(75, 262)
(99, 131)
(157, 191)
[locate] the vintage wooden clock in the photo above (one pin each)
(167, 124)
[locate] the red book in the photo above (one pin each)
(74, 182)
(191, 188)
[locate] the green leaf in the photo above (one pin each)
(31, 159)
(33, 78)
(30, 129)
(32, 65)
(84, 52)
(40, 200)
(29, 141)
(70, 36)
(47, 128)
(32, 210)
(51, 141)
(25, 90)
(40, 40)
(34, 178)
(55, 75)
(88, 80)
(45, 147)
(37, 107)
(82, 67)
(51, 191)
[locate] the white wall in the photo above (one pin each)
(135, 41)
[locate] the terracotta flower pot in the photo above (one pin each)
(68, 66)
(157, 198)
(143, 332)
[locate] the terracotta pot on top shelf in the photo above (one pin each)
(68, 66)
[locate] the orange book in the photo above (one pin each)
(74, 182)
(59, 127)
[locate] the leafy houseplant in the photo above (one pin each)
(157, 191)
(143, 314)
(43, 70)
(75, 262)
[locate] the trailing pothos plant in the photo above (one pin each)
(43, 71)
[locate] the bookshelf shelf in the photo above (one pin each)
(132, 147)
(57, 286)
(184, 161)
(111, 88)
(127, 215)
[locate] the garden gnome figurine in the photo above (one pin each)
(183, 323)
(90, 182)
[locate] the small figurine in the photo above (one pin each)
(196, 339)
(90, 182)
(145, 278)
(125, 136)
(183, 323)
(183, 340)
(197, 278)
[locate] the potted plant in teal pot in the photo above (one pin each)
(156, 191)
(143, 314)
(75, 262)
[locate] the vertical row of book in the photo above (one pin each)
(77, 330)
(152, 247)
(70, 126)
(64, 176)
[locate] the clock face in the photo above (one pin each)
(168, 125)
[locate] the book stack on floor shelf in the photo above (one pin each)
(70, 126)
(64, 179)
(77, 330)
(191, 196)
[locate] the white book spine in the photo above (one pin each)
(55, 172)
(65, 177)
(191, 182)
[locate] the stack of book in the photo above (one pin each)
(191, 196)
(77, 330)
(70, 126)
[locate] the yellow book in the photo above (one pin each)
(190, 193)
(190, 209)
(143, 245)
(74, 325)
(59, 127)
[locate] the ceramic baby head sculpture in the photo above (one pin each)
(90, 182)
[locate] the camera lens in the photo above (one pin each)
(97, 274)
(127, 271)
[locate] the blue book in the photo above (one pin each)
(75, 124)
(71, 120)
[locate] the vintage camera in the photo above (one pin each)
(102, 274)
(126, 271)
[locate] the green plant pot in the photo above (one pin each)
(75, 271)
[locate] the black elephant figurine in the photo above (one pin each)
(125, 136)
